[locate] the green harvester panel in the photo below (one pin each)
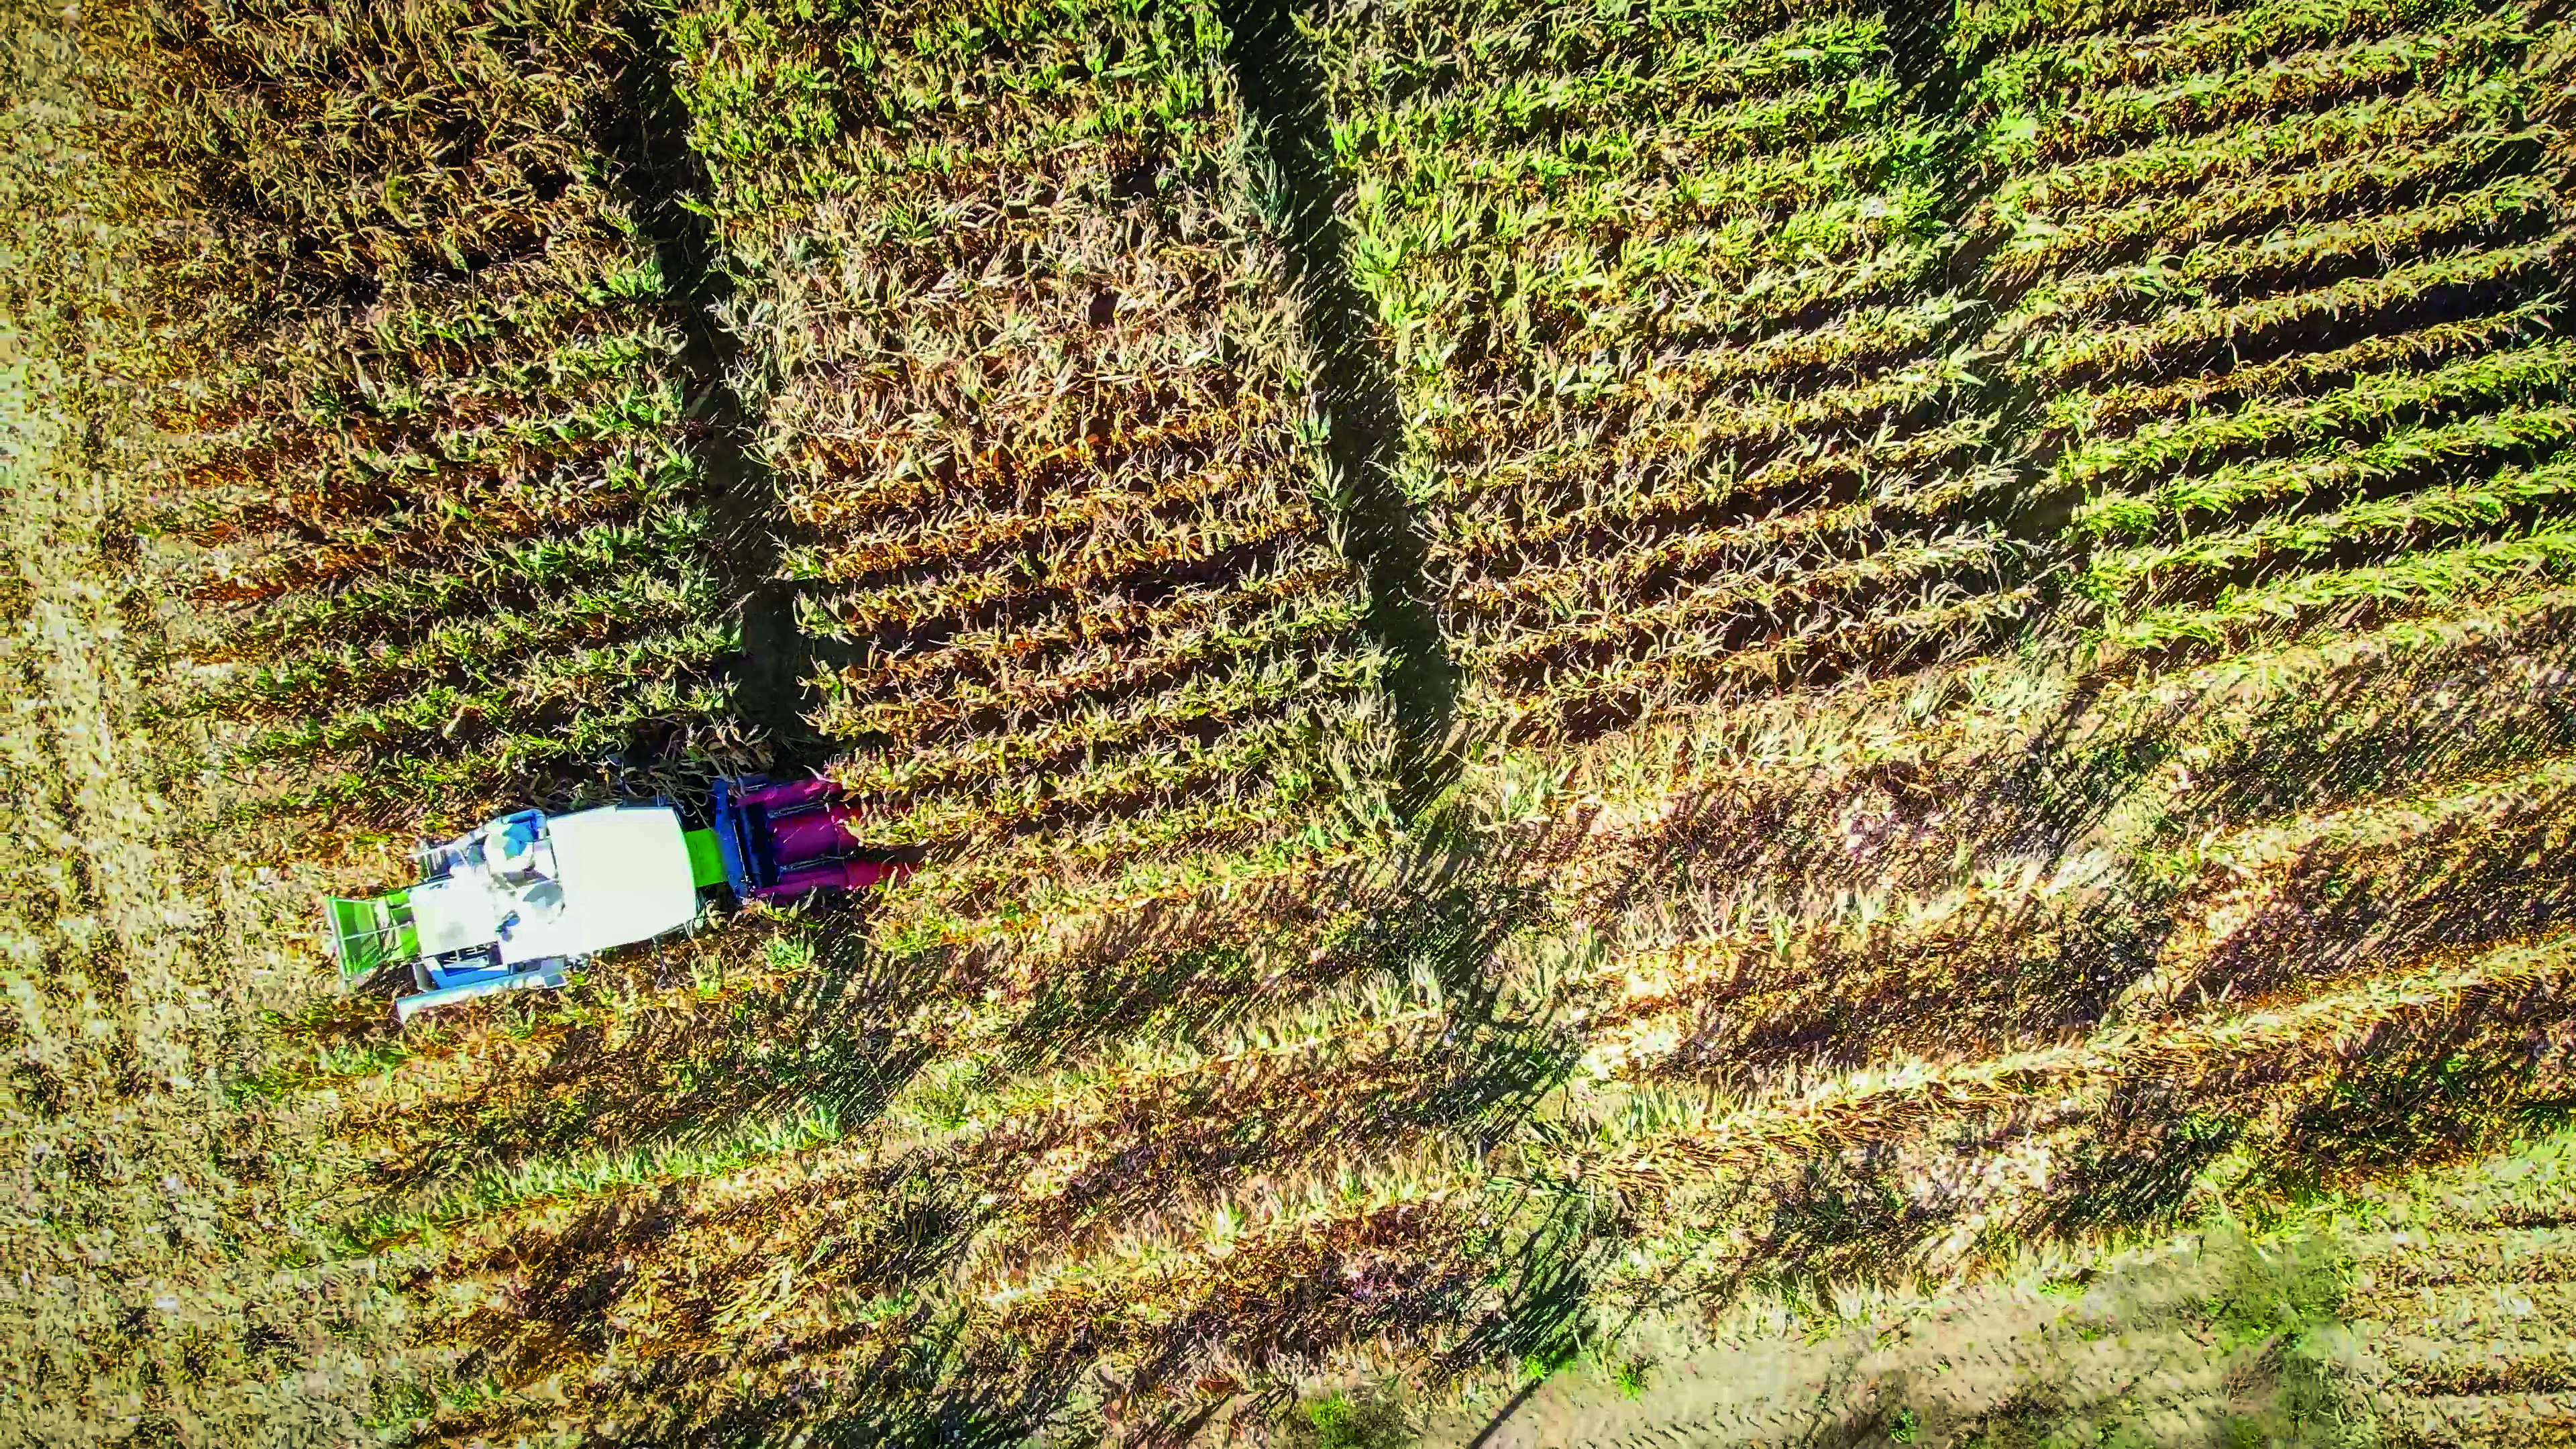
(373, 933)
(706, 862)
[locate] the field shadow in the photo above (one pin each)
(2112, 792)
(664, 182)
(1301, 192)
(825, 1044)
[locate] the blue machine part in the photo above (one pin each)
(740, 839)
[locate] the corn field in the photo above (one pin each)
(1550, 665)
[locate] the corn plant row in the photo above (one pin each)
(1494, 101)
(1022, 347)
(338, 474)
(2373, 825)
(1193, 614)
(1145, 883)
(2268, 673)
(2126, 116)
(2100, 412)
(1547, 315)
(1944, 617)
(1952, 722)
(1151, 1276)
(2225, 274)
(1427, 206)
(2371, 397)
(540, 342)
(1058, 1120)
(1757, 988)
(394, 602)
(1177, 850)
(1994, 25)
(490, 367)
(2398, 453)
(1347, 1049)
(2071, 354)
(548, 682)
(424, 1078)
(1929, 906)
(2117, 574)
(2045, 241)
(1023, 686)
(1154, 778)
(1423, 203)
(1782, 544)
(1135, 504)
(405, 786)
(2232, 269)
(1852, 1108)
(1406, 55)
(1804, 115)
(617, 484)
(1668, 419)
(567, 327)
(2351, 894)
(1876, 348)
(2542, 553)
(349, 431)
(1078, 563)
(2237, 158)
(642, 601)
(1424, 208)
(544, 1183)
(842, 476)
(1042, 741)
(1812, 592)
(1147, 779)
(2038, 73)
(1954, 975)
(1486, 521)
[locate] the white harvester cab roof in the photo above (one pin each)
(619, 874)
(521, 900)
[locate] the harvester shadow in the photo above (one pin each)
(2450, 1083)
(2047, 971)
(823, 1047)
(1434, 924)
(2436, 1091)
(918, 1390)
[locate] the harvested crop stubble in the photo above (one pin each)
(1035, 401)
(434, 405)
